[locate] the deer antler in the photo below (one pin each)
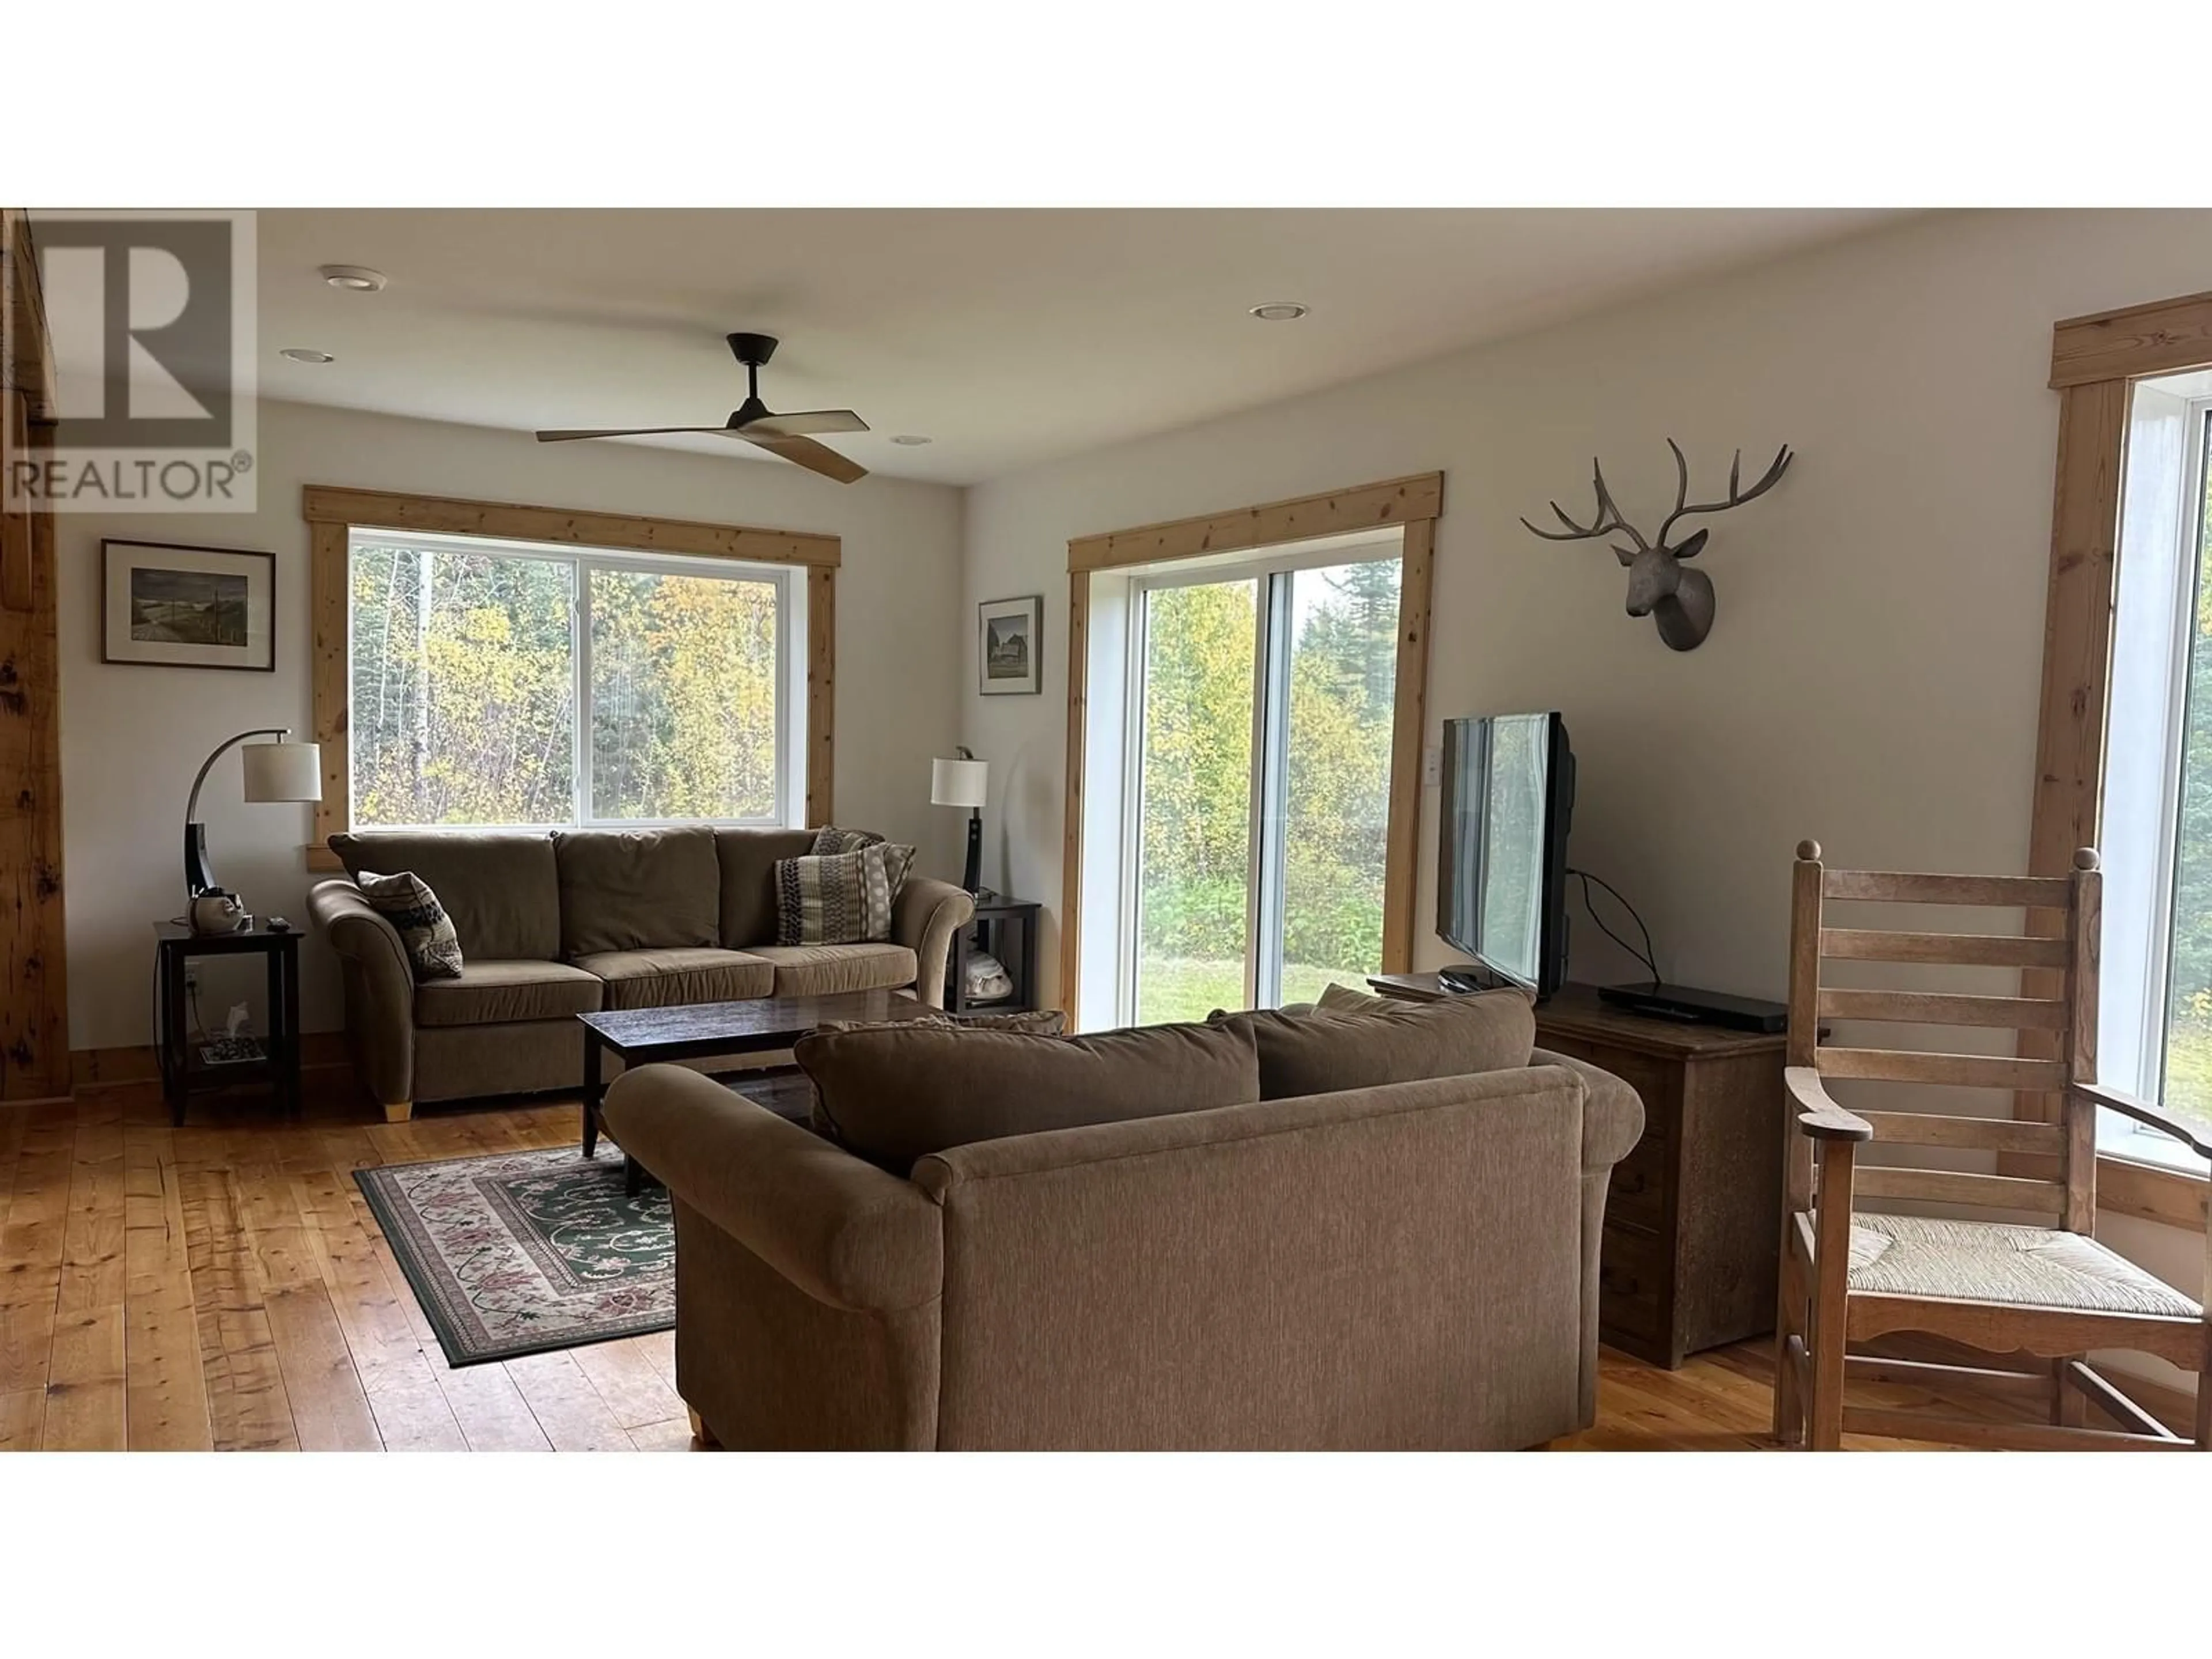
(1684, 506)
(1606, 521)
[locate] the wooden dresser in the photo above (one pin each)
(1693, 1214)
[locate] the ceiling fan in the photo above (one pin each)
(791, 436)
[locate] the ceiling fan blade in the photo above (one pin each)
(562, 437)
(815, 457)
(809, 423)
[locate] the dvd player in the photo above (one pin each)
(1690, 1007)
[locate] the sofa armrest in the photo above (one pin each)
(384, 1041)
(927, 916)
(1613, 1113)
(847, 1233)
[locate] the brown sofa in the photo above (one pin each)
(554, 924)
(1412, 1266)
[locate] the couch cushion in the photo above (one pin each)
(821, 970)
(1397, 1040)
(892, 1094)
(490, 990)
(638, 890)
(500, 887)
(748, 859)
(671, 977)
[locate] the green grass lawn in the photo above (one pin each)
(1169, 989)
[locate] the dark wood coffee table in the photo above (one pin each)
(640, 1035)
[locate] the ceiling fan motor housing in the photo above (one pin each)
(751, 350)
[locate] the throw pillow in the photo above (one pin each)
(840, 898)
(1397, 1040)
(1343, 1000)
(406, 902)
(829, 840)
(896, 1093)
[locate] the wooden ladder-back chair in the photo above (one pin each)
(2043, 1295)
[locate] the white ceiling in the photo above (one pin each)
(1008, 337)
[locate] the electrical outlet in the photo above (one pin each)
(192, 979)
(1432, 766)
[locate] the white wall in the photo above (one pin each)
(1873, 677)
(132, 735)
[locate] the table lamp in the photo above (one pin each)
(274, 772)
(960, 783)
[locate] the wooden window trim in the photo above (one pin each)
(1414, 503)
(2094, 360)
(332, 512)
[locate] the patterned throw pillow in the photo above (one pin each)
(840, 898)
(829, 840)
(406, 902)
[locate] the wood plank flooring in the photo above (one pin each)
(224, 1286)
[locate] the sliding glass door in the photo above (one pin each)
(1259, 751)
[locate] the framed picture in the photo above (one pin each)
(188, 607)
(1012, 635)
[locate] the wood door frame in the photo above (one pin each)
(332, 512)
(2094, 362)
(34, 1051)
(1414, 503)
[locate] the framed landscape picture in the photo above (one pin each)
(1012, 633)
(188, 607)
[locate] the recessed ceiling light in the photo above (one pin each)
(358, 278)
(909, 438)
(1280, 311)
(301, 355)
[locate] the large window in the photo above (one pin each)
(2156, 1027)
(497, 683)
(1259, 753)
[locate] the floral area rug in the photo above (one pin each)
(521, 1252)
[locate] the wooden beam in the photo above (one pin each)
(28, 365)
(386, 510)
(1901, 887)
(1370, 506)
(1964, 949)
(1408, 730)
(821, 693)
(2162, 337)
(1070, 854)
(34, 1061)
(1934, 1008)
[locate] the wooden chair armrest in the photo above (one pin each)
(2193, 1128)
(1818, 1115)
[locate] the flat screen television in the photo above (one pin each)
(1509, 791)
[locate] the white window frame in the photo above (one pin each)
(789, 582)
(1268, 812)
(2135, 1011)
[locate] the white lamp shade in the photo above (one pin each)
(957, 782)
(284, 771)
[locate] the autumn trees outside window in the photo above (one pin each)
(495, 682)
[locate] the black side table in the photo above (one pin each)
(1007, 929)
(182, 1070)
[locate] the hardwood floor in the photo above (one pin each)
(224, 1286)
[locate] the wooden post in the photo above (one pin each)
(1830, 1297)
(1791, 1314)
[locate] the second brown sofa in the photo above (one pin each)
(554, 924)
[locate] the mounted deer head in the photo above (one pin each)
(1680, 601)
